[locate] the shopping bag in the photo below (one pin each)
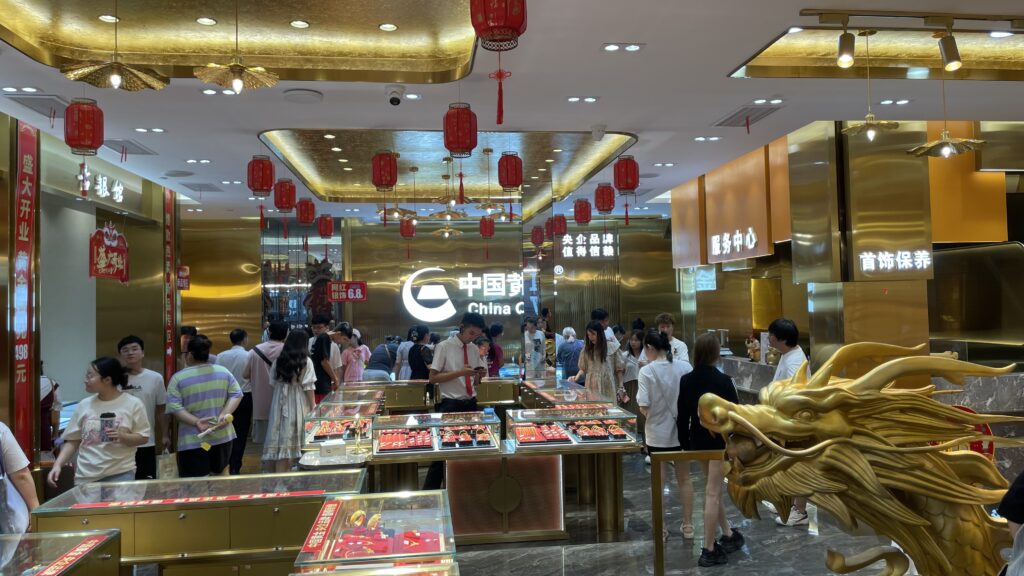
(166, 465)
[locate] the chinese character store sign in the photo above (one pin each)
(23, 283)
(593, 245)
(886, 261)
(102, 186)
(738, 243)
(492, 293)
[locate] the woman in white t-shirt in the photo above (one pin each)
(658, 396)
(105, 428)
(18, 474)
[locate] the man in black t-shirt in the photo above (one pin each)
(320, 352)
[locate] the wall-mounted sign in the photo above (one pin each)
(344, 291)
(100, 185)
(432, 303)
(736, 243)
(593, 245)
(108, 254)
(705, 278)
(183, 278)
(170, 294)
(736, 209)
(23, 282)
(898, 261)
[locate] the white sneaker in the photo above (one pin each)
(647, 460)
(769, 506)
(796, 518)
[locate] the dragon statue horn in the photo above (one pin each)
(946, 367)
(853, 352)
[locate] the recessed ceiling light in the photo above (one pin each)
(335, 149)
(549, 160)
(29, 89)
(542, 169)
(299, 24)
(191, 161)
(611, 47)
(775, 101)
(573, 99)
(199, 209)
(236, 181)
(191, 209)
(714, 139)
(141, 130)
(761, 101)
(590, 99)
(347, 169)
(556, 150)
(1000, 34)
(902, 102)
(109, 18)
(10, 89)
(157, 130)
(886, 102)
(329, 136)
(526, 185)
(700, 139)
(658, 164)
(388, 27)
(343, 160)
(794, 30)
(252, 197)
(355, 209)
(205, 21)
(534, 177)
(669, 164)
(209, 91)
(225, 181)
(204, 161)
(633, 47)
(228, 92)
(412, 96)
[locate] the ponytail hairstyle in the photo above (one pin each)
(108, 367)
(659, 341)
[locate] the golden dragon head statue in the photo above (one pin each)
(872, 454)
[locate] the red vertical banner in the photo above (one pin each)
(23, 272)
(170, 285)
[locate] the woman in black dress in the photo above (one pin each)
(707, 379)
(419, 355)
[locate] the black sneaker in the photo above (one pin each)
(712, 557)
(731, 544)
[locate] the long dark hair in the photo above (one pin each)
(639, 336)
(293, 356)
(658, 341)
(601, 347)
(108, 367)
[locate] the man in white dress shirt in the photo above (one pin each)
(784, 336)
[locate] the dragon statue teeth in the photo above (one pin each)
(873, 454)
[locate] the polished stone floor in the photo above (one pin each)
(770, 550)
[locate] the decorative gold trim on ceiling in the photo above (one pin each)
(895, 53)
(308, 154)
(434, 42)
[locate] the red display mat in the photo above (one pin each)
(491, 497)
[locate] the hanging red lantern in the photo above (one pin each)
(510, 171)
(305, 211)
(487, 232)
(284, 195)
(325, 226)
(260, 176)
(407, 229)
(549, 230)
(385, 170)
(559, 226)
(627, 175)
(604, 198)
(581, 211)
(537, 236)
(83, 126)
(460, 130)
(499, 26)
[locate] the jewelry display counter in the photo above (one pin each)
(92, 553)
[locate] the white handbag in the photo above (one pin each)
(13, 510)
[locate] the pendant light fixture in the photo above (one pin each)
(870, 127)
(235, 76)
(114, 74)
(946, 145)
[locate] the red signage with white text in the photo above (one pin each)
(108, 254)
(346, 291)
(69, 558)
(170, 293)
(195, 500)
(23, 284)
(184, 278)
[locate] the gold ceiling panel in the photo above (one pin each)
(912, 54)
(434, 42)
(309, 156)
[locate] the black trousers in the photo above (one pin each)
(435, 474)
(242, 423)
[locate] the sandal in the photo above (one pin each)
(687, 530)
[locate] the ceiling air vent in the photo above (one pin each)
(177, 173)
(738, 118)
(201, 187)
(132, 147)
(44, 104)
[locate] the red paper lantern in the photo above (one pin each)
(627, 175)
(549, 230)
(284, 195)
(325, 226)
(581, 211)
(385, 171)
(498, 24)
(510, 171)
(261, 176)
(407, 228)
(604, 198)
(487, 227)
(83, 126)
(559, 226)
(460, 130)
(537, 236)
(305, 211)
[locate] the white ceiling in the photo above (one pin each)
(668, 93)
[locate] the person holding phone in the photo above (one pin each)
(105, 428)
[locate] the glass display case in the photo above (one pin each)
(421, 570)
(341, 420)
(437, 432)
(594, 425)
(379, 530)
(573, 397)
(414, 395)
(95, 553)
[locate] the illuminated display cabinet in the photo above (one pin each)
(582, 428)
(343, 415)
(92, 553)
(444, 433)
(558, 394)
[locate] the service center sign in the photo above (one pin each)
(346, 291)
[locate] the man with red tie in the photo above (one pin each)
(456, 369)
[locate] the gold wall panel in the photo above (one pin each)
(729, 307)
(223, 257)
(966, 205)
(895, 53)
(689, 245)
(887, 201)
(308, 154)
(137, 307)
(435, 41)
(778, 188)
(814, 203)
(647, 282)
(766, 301)
(793, 296)
(736, 199)
(1003, 143)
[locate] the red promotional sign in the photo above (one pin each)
(68, 559)
(108, 254)
(195, 500)
(170, 294)
(321, 527)
(346, 291)
(184, 278)
(23, 283)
